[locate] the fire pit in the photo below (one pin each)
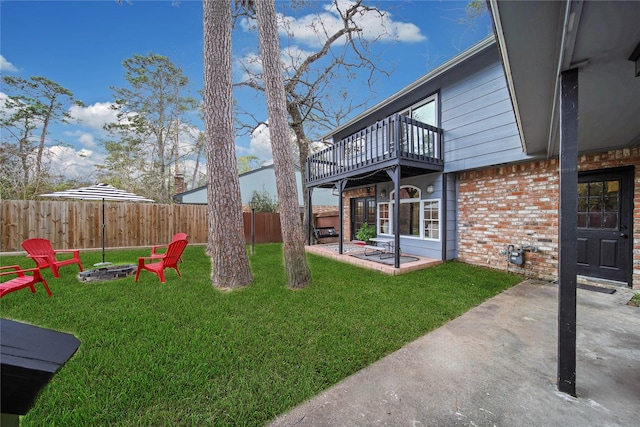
(107, 273)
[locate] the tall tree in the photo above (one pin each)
(298, 273)
(226, 243)
(318, 82)
(197, 150)
(123, 163)
(152, 109)
(31, 107)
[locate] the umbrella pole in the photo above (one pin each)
(103, 230)
(104, 227)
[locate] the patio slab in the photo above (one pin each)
(496, 366)
(330, 251)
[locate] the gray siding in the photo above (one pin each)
(197, 196)
(477, 116)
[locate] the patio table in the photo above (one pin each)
(383, 246)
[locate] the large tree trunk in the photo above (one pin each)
(295, 258)
(226, 243)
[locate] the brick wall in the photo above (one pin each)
(325, 209)
(518, 205)
(515, 205)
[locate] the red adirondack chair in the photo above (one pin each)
(168, 260)
(41, 251)
(154, 249)
(21, 280)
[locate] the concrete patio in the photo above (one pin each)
(496, 366)
(330, 251)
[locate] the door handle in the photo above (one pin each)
(624, 235)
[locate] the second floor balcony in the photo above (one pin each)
(397, 140)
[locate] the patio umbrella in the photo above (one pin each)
(99, 192)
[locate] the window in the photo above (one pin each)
(409, 211)
(383, 218)
(418, 218)
(416, 139)
(432, 219)
(598, 205)
(424, 111)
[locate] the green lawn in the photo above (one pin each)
(182, 353)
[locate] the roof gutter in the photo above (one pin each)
(502, 49)
(572, 14)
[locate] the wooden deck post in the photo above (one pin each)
(341, 186)
(567, 244)
(310, 224)
(394, 174)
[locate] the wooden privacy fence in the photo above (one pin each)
(78, 224)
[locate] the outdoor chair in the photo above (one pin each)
(154, 249)
(168, 260)
(41, 251)
(21, 280)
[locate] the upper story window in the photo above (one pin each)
(425, 111)
(416, 139)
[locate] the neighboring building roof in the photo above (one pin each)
(178, 196)
(248, 184)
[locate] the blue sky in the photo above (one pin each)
(81, 45)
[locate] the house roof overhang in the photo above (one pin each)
(539, 40)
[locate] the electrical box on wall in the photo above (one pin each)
(516, 256)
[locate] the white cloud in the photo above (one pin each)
(260, 145)
(6, 66)
(293, 56)
(85, 153)
(4, 112)
(251, 64)
(312, 29)
(74, 163)
(86, 139)
(94, 116)
(248, 24)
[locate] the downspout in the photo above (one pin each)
(571, 22)
(444, 216)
